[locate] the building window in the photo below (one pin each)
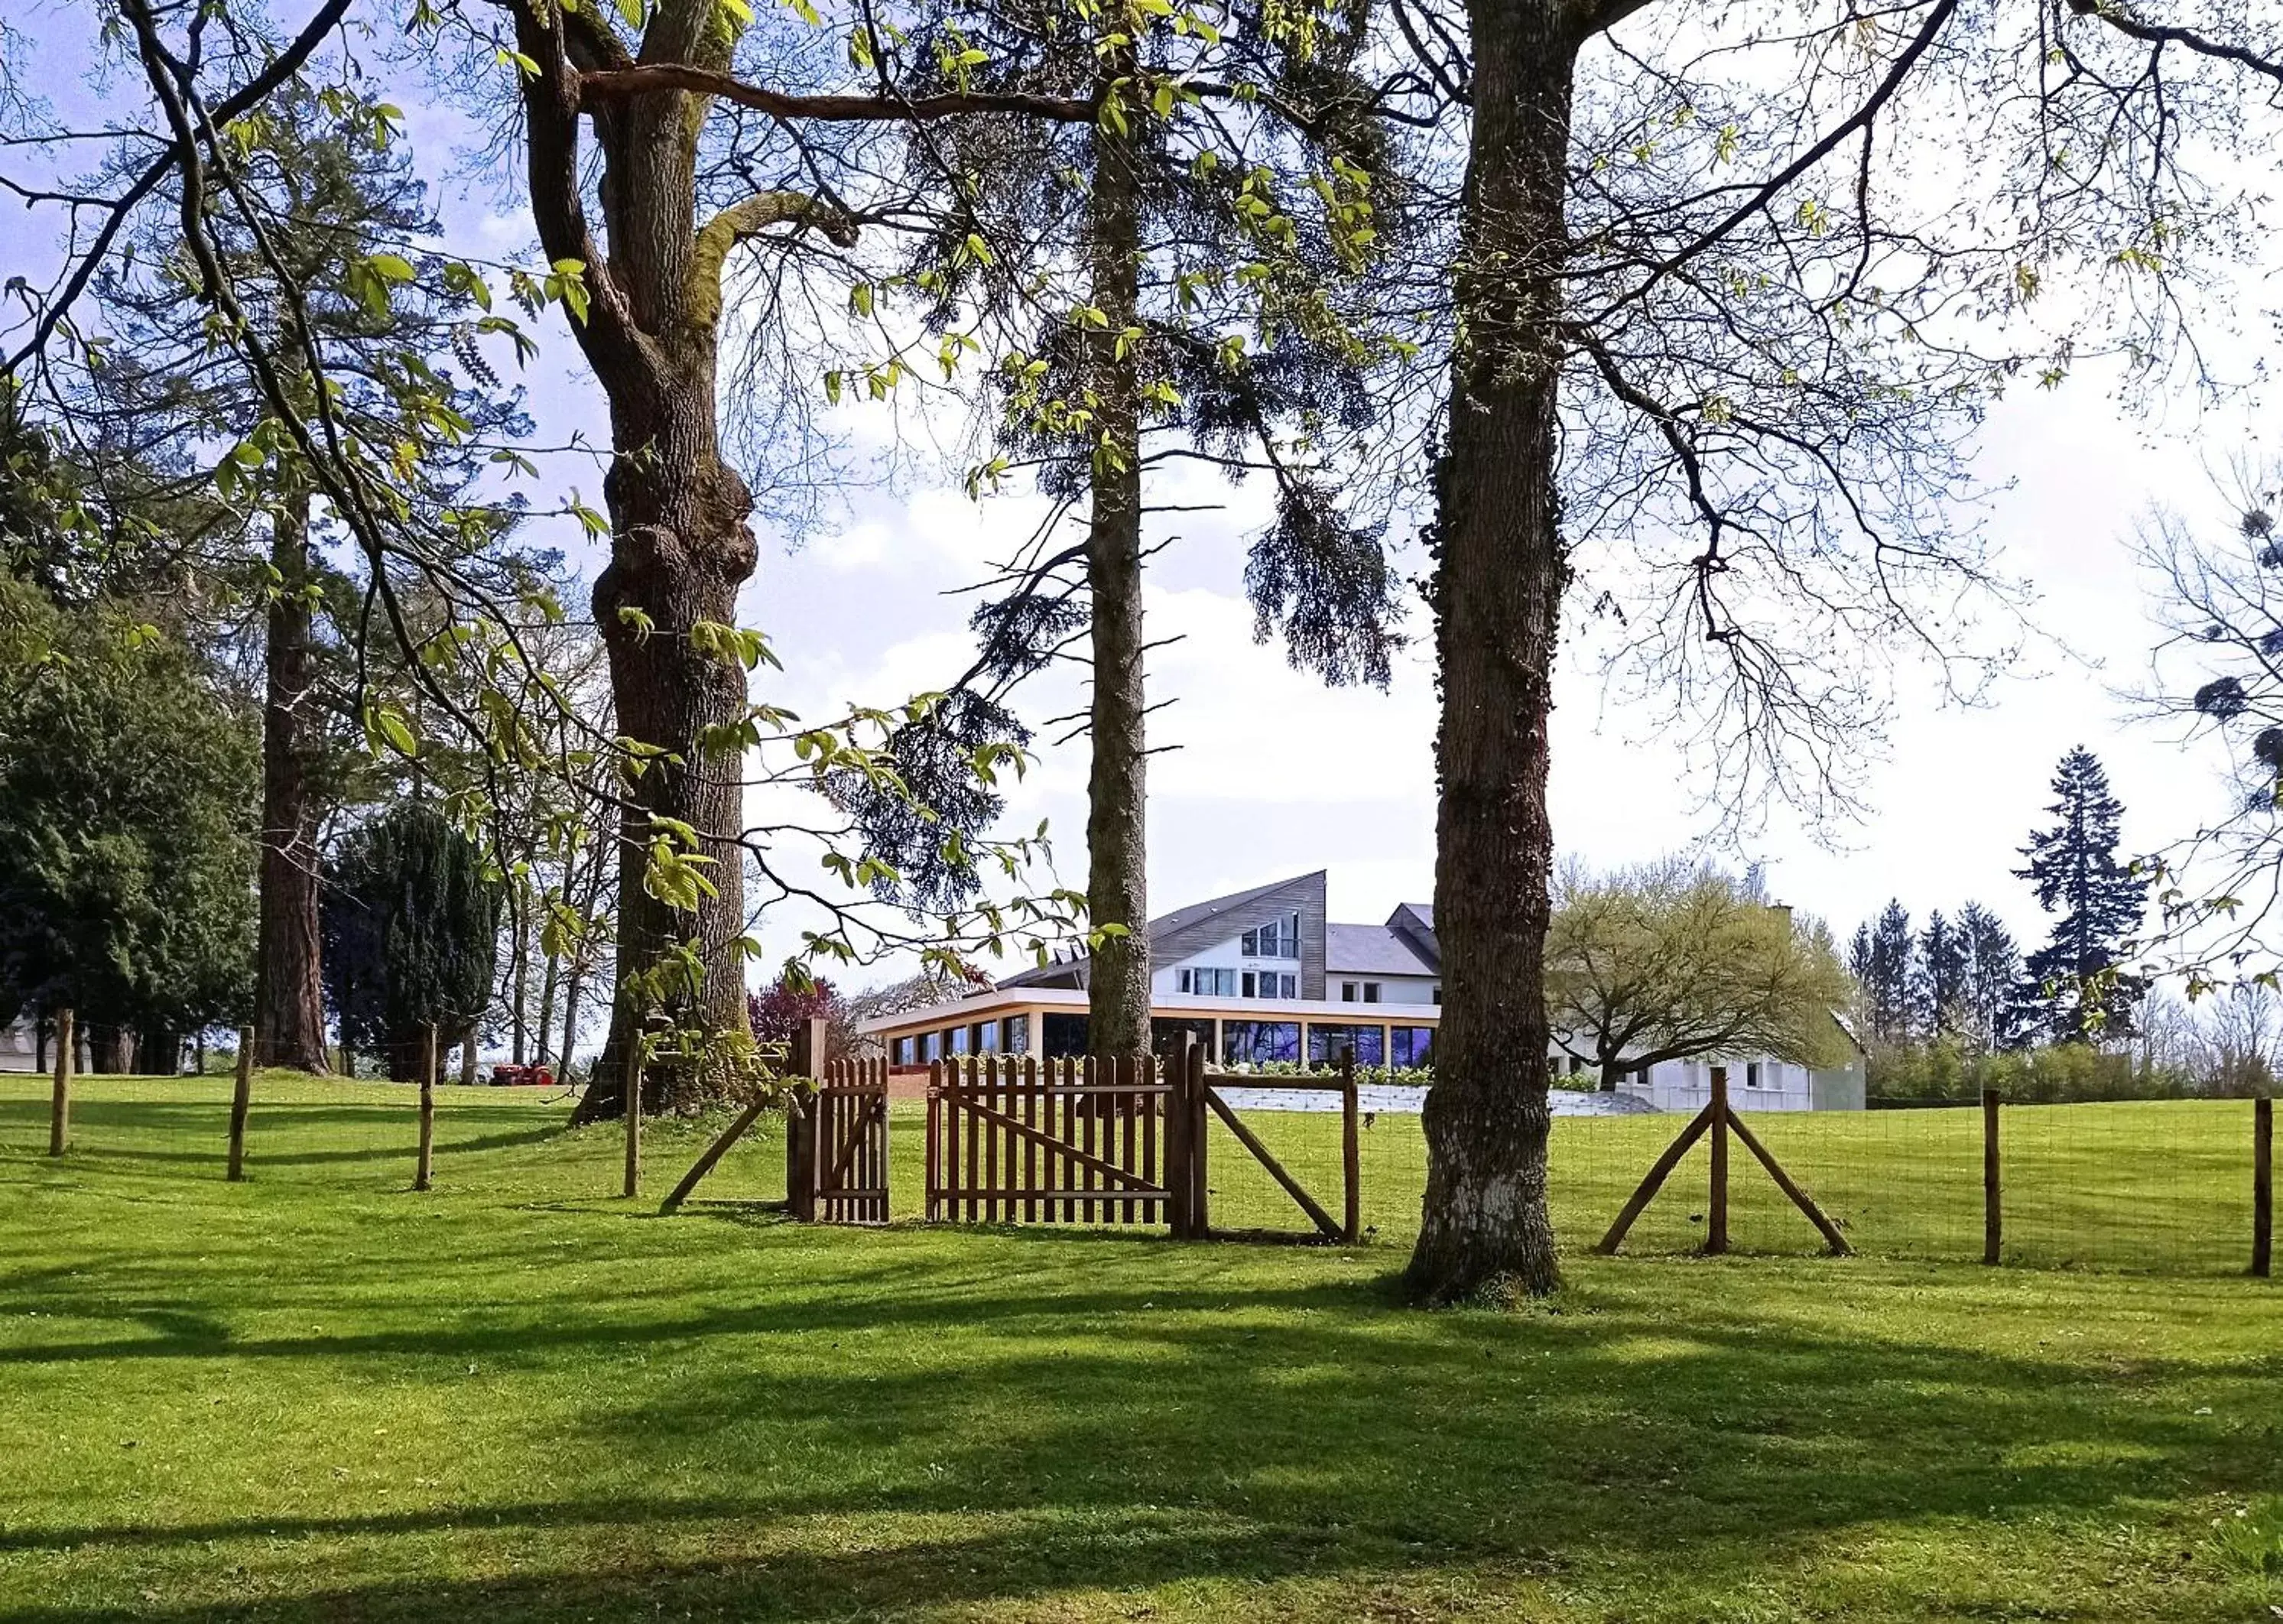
(1641, 1076)
(1167, 1034)
(1015, 1035)
(960, 1040)
(1752, 1074)
(987, 1036)
(1270, 984)
(900, 1051)
(1411, 1046)
(1576, 1065)
(1254, 1042)
(1347, 992)
(1063, 1034)
(1436, 996)
(1209, 983)
(1281, 940)
(931, 1046)
(1371, 992)
(1325, 1042)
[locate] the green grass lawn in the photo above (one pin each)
(2163, 1186)
(318, 1395)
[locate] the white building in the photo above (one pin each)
(1262, 976)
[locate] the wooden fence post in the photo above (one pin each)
(1351, 1153)
(633, 1061)
(241, 1096)
(1715, 1226)
(2262, 1187)
(424, 1175)
(1200, 1210)
(803, 1066)
(1994, 1206)
(1175, 1071)
(59, 1108)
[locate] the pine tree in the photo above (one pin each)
(1938, 980)
(1993, 979)
(2081, 994)
(1879, 959)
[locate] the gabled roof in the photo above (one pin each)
(1414, 923)
(1370, 949)
(1185, 930)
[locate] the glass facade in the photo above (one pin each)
(1325, 1043)
(1064, 1035)
(1253, 1043)
(1167, 1032)
(1411, 1046)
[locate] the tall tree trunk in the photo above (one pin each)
(469, 1059)
(545, 1029)
(680, 549)
(1116, 890)
(111, 1051)
(289, 1019)
(569, 1051)
(1497, 599)
(681, 552)
(520, 987)
(1613, 1075)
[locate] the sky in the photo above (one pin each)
(1270, 774)
(1267, 774)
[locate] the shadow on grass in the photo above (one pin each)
(1137, 1433)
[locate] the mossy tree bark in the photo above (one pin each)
(1497, 599)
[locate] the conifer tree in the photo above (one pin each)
(411, 927)
(1938, 978)
(337, 195)
(1993, 978)
(1881, 961)
(2081, 993)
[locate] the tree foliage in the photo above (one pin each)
(126, 822)
(2082, 991)
(1672, 960)
(412, 923)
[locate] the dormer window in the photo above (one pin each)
(1281, 940)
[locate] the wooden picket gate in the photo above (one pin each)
(837, 1146)
(1121, 1140)
(1013, 1139)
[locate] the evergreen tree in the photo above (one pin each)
(1993, 979)
(337, 195)
(1881, 958)
(2081, 994)
(1939, 978)
(126, 828)
(411, 935)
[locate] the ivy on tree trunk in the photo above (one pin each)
(1497, 599)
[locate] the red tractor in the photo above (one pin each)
(522, 1077)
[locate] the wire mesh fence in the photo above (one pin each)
(2161, 1186)
(2155, 1186)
